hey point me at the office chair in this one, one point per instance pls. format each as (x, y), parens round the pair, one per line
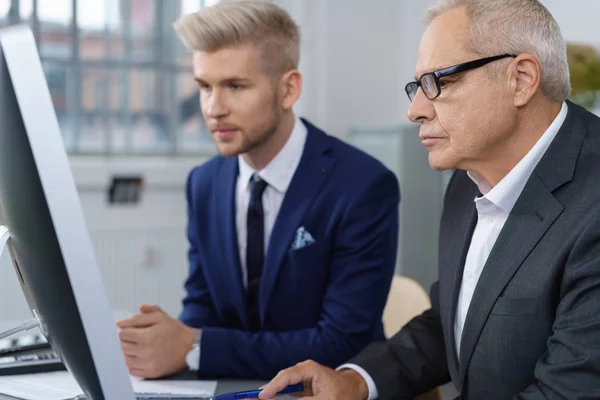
(406, 300)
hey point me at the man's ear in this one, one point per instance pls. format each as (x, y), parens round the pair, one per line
(525, 76)
(290, 88)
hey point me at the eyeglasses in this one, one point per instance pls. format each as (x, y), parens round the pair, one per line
(430, 82)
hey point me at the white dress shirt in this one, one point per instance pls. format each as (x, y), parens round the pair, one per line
(278, 174)
(493, 209)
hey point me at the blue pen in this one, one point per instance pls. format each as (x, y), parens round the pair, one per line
(253, 394)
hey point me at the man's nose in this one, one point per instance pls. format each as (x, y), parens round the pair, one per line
(421, 108)
(216, 104)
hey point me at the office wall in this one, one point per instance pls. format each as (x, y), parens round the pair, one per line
(140, 249)
(356, 58)
(578, 19)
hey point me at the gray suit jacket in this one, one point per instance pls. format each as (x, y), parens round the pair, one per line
(533, 328)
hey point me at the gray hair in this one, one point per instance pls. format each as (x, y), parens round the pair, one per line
(230, 23)
(515, 27)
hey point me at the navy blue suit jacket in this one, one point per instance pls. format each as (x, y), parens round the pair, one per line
(323, 301)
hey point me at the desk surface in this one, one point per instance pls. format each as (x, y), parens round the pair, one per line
(224, 386)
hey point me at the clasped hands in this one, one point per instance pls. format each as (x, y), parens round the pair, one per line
(154, 344)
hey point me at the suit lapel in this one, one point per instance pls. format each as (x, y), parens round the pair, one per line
(457, 272)
(306, 183)
(532, 215)
(224, 200)
(462, 219)
(535, 211)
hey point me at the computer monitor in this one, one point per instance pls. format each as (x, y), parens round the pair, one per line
(49, 243)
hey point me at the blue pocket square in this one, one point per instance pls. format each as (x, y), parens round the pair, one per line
(302, 239)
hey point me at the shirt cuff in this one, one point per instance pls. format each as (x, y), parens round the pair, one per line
(193, 356)
(373, 393)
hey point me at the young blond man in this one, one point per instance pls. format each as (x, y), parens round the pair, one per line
(293, 233)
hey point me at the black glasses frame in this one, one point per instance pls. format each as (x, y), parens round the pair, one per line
(411, 88)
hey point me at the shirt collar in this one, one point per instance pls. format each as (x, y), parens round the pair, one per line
(280, 171)
(506, 193)
(246, 172)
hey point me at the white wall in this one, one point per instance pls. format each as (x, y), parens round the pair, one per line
(163, 203)
(357, 56)
(578, 19)
(141, 249)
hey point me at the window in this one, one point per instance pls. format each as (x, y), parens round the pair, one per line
(120, 80)
(6, 13)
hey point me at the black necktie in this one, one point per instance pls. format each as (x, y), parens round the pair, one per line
(255, 249)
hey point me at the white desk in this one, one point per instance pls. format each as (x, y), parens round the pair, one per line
(224, 386)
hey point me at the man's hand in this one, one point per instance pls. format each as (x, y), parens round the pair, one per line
(320, 383)
(154, 344)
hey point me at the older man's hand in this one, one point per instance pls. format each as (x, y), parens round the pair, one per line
(154, 344)
(320, 383)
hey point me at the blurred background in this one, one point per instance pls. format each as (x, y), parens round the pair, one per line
(128, 109)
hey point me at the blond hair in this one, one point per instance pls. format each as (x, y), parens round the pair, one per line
(516, 27)
(230, 23)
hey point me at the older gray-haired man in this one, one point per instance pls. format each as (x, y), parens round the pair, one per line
(516, 311)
